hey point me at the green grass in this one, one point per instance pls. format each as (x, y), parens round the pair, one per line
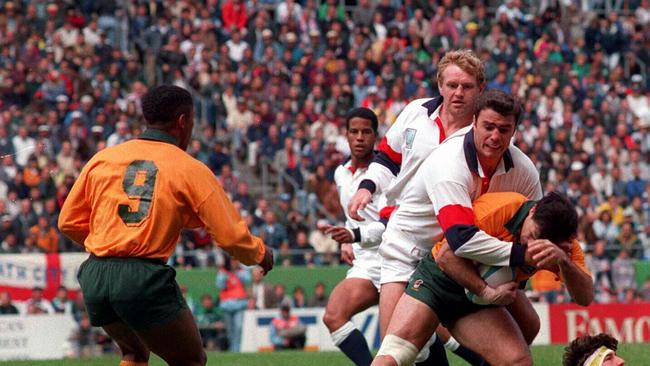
(634, 354)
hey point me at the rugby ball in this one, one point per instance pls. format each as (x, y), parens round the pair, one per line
(494, 276)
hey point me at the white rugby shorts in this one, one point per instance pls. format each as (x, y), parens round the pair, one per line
(400, 254)
(366, 265)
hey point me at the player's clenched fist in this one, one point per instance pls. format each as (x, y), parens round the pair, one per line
(358, 202)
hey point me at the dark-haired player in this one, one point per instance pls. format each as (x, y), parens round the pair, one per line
(359, 290)
(597, 350)
(127, 208)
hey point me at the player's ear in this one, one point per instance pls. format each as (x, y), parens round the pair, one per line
(182, 120)
(531, 213)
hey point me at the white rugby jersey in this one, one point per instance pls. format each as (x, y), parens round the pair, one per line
(416, 132)
(367, 233)
(414, 215)
(453, 179)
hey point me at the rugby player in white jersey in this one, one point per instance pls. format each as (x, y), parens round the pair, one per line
(360, 289)
(420, 127)
(474, 161)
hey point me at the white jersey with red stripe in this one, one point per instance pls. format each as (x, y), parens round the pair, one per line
(347, 179)
(454, 178)
(413, 217)
(367, 234)
(447, 183)
(416, 132)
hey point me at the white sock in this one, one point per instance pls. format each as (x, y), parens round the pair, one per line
(339, 335)
(452, 344)
(424, 352)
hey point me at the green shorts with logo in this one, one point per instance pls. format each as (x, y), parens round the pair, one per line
(140, 292)
(433, 287)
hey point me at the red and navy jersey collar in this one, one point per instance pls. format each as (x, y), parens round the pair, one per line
(432, 104)
(472, 159)
(348, 163)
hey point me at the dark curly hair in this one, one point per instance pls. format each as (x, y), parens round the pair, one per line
(364, 113)
(582, 347)
(501, 102)
(164, 104)
(556, 218)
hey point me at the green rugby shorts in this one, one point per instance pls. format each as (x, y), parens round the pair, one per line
(140, 292)
(430, 285)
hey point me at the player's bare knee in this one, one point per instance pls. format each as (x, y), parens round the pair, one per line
(333, 319)
(520, 357)
(134, 352)
(532, 330)
(197, 359)
(203, 358)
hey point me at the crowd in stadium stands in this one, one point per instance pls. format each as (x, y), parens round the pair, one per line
(272, 81)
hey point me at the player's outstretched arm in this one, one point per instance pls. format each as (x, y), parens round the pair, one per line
(358, 202)
(339, 234)
(230, 231)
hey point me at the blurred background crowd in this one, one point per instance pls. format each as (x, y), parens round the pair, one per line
(272, 81)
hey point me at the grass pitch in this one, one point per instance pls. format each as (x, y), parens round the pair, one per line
(634, 354)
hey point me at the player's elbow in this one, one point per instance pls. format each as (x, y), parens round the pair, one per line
(584, 299)
(585, 294)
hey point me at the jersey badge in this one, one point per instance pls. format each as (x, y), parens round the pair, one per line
(417, 284)
(409, 136)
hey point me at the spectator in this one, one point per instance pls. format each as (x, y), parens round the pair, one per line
(218, 157)
(604, 228)
(61, 303)
(6, 307)
(272, 232)
(324, 245)
(303, 251)
(36, 304)
(636, 185)
(628, 241)
(209, 318)
(232, 280)
(298, 299)
(279, 297)
(45, 235)
(234, 15)
(261, 293)
(120, 135)
(319, 298)
(287, 332)
(85, 339)
(23, 145)
(623, 274)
